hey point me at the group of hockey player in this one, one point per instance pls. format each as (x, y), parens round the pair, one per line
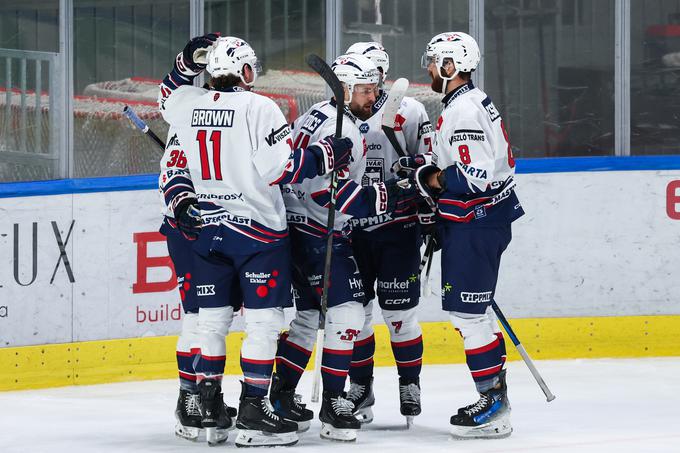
(246, 199)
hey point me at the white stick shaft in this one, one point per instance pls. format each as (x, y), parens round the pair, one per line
(530, 364)
(316, 384)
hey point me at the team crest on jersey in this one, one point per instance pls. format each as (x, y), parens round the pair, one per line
(480, 211)
(364, 128)
(313, 121)
(375, 171)
(216, 97)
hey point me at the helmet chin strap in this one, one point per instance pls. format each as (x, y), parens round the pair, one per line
(446, 80)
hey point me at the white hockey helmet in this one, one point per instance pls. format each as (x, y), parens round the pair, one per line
(228, 55)
(375, 52)
(354, 70)
(460, 47)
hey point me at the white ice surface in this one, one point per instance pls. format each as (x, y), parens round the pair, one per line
(601, 406)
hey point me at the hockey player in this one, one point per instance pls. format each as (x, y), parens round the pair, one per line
(307, 207)
(238, 151)
(471, 181)
(175, 181)
(387, 249)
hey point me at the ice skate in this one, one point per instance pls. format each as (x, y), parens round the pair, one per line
(259, 426)
(409, 399)
(488, 418)
(188, 417)
(338, 421)
(361, 395)
(286, 405)
(216, 417)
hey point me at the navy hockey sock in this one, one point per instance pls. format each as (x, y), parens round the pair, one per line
(362, 359)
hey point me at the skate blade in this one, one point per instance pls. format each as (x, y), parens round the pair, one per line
(189, 433)
(364, 415)
(253, 438)
(409, 421)
(329, 432)
(302, 426)
(497, 429)
(215, 436)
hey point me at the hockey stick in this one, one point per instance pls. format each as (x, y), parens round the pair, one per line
(142, 126)
(321, 67)
(392, 104)
(530, 364)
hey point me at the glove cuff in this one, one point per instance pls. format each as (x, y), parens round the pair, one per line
(323, 152)
(182, 203)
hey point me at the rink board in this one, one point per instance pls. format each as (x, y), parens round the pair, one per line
(131, 359)
(83, 269)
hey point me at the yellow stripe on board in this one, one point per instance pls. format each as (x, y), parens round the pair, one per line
(96, 362)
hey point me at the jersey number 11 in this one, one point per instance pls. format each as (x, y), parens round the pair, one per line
(216, 140)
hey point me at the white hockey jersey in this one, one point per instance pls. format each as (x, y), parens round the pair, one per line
(174, 179)
(238, 149)
(472, 147)
(414, 133)
(307, 202)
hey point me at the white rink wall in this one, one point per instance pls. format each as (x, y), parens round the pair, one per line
(591, 244)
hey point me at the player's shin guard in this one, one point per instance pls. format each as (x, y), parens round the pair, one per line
(343, 324)
(259, 348)
(187, 352)
(213, 326)
(361, 369)
(484, 352)
(407, 346)
(406, 340)
(295, 346)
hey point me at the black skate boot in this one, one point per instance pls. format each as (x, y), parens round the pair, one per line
(286, 405)
(361, 395)
(337, 418)
(259, 426)
(215, 415)
(409, 398)
(488, 418)
(188, 416)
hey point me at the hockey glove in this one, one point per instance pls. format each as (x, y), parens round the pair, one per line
(188, 218)
(196, 51)
(428, 225)
(405, 166)
(397, 196)
(420, 180)
(331, 154)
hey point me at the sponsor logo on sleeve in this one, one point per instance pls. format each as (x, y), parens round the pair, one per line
(313, 121)
(491, 109)
(277, 135)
